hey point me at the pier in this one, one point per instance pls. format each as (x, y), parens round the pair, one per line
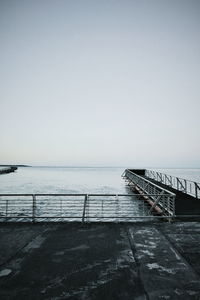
(186, 200)
(101, 246)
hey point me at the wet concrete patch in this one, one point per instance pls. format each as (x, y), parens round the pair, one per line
(5, 272)
(162, 268)
(79, 248)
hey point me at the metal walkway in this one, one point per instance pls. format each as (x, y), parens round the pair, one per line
(182, 198)
(161, 200)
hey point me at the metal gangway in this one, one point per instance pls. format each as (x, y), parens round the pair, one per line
(160, 199)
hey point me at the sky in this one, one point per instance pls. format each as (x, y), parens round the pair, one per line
(100, 82)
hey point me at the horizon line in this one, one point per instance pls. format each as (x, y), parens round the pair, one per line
(86, 166)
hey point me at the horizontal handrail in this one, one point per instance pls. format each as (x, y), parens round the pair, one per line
(184, 185)
(84, 207)
(173, 176)
(111, 195)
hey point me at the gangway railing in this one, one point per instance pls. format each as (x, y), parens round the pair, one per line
(79, 207)
(161, 197)
(185, 186)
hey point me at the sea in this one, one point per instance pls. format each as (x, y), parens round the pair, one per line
(76, 179)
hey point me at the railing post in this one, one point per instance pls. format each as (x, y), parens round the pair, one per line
(143, 208)
(61, 208)
(33, 208)
(185, 185)
(117, 207)
(177, 183)
(159, 177)
(196, 189)
(171, 181)
(84, 208)
(6, 209)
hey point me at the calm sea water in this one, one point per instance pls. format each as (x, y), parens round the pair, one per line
(75, 180)
(43, 180)
(63, 180)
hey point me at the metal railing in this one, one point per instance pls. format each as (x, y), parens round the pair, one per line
(161, 198)
(186, 186)
(79, 207)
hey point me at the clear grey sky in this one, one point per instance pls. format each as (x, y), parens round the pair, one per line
(106, 83)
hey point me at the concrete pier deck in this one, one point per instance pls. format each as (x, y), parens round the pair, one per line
(100, 261)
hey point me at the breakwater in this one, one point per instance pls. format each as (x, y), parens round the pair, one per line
(4, 170)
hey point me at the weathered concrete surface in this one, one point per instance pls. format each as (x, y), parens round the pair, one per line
(100, 261)
(164, 261)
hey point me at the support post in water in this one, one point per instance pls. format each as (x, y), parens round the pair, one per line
(34, 208)
(84, 208)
